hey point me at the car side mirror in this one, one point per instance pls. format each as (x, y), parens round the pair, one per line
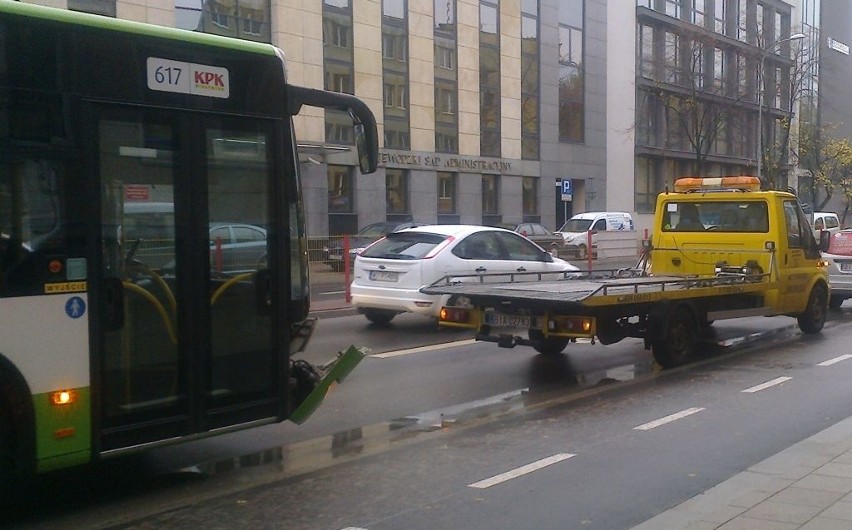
(547, 257)
(824, 240)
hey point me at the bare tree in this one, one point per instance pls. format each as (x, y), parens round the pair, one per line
(701, 88)
(785, 85)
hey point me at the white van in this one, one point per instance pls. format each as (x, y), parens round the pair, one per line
(826, 221)
(575, 230)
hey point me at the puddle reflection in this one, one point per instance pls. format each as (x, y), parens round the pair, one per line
(550, 378)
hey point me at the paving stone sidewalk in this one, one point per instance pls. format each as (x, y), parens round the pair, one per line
(807, 486)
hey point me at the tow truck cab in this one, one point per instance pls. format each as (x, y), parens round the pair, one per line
(713, 226)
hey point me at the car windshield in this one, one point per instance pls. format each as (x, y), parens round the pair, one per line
(576, 225)
(841, 244)
(404, 245)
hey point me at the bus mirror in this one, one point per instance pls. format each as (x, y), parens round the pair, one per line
(366, 157)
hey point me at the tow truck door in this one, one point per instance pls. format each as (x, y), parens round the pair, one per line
(796, 257)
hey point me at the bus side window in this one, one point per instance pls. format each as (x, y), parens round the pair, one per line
(30, 226)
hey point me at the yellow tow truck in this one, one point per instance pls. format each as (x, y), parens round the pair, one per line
(721, 248)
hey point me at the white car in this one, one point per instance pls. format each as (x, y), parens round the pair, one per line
(389, 274)
(839, 258)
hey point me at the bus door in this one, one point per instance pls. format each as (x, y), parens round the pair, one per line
(187, 323)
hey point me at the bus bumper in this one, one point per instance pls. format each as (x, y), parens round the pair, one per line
(330, 374)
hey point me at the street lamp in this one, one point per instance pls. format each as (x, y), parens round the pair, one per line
(760, 89)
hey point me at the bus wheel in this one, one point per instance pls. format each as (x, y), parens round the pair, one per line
(7, 458)
(547, 345)
(677, 344)
(379, 317)
(813, 319)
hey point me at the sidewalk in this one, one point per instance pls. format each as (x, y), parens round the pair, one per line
(807, 486)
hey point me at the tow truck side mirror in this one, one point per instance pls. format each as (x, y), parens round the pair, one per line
(824, 240)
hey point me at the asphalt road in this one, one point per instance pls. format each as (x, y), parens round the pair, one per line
(403, 441)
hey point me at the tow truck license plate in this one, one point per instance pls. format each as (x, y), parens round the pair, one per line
(492, 318)
(383, 276)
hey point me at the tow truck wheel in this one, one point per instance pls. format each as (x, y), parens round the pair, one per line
(813, 319)
(379, 317)
(549, 345)
(676, 347)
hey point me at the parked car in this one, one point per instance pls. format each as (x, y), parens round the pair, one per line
(541, 236)
(360, 240)
(839, 257)
(390, 273)
(826, 221)
(575, 230)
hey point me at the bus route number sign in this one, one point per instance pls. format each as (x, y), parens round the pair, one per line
(165, 75)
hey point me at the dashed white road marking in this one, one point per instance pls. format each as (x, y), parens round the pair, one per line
(835, 360)
(764, 386)
(431, 347)
(523, 470)
(668, 419)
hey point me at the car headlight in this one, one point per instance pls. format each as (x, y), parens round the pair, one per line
(569, 239)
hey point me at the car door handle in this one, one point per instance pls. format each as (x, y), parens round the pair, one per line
(521, 269)
(481, 269)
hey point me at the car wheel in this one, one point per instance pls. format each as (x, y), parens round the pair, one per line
(380, 317)
(834, 302)
(547, 345)
(813, 319)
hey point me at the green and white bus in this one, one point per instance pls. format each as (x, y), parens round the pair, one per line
(117, 335)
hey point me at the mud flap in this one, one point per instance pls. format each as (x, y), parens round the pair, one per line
(315, 382)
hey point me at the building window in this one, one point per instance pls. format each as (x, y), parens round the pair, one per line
(394, 47)
(395, 73)
(530, 196)
(571, 75)
(489, 78)
(396, 182)
(530, 84)
(107, 7)
(696, 12)
(720, 21)
(340, 190)
(445, 57)
(188, 14)
(647, 184)
(395, 96)
(446, 77)
(446, 101)
(490, 194)
(446, 193)
(339, 66)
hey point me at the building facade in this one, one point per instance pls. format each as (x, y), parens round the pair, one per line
(485, 107)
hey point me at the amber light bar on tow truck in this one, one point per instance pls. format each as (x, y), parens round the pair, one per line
(744, 183)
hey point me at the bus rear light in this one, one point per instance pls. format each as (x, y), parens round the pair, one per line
(63, 397)
(571, 325)
(455, 314)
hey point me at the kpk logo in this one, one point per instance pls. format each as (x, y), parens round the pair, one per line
(207, 80)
